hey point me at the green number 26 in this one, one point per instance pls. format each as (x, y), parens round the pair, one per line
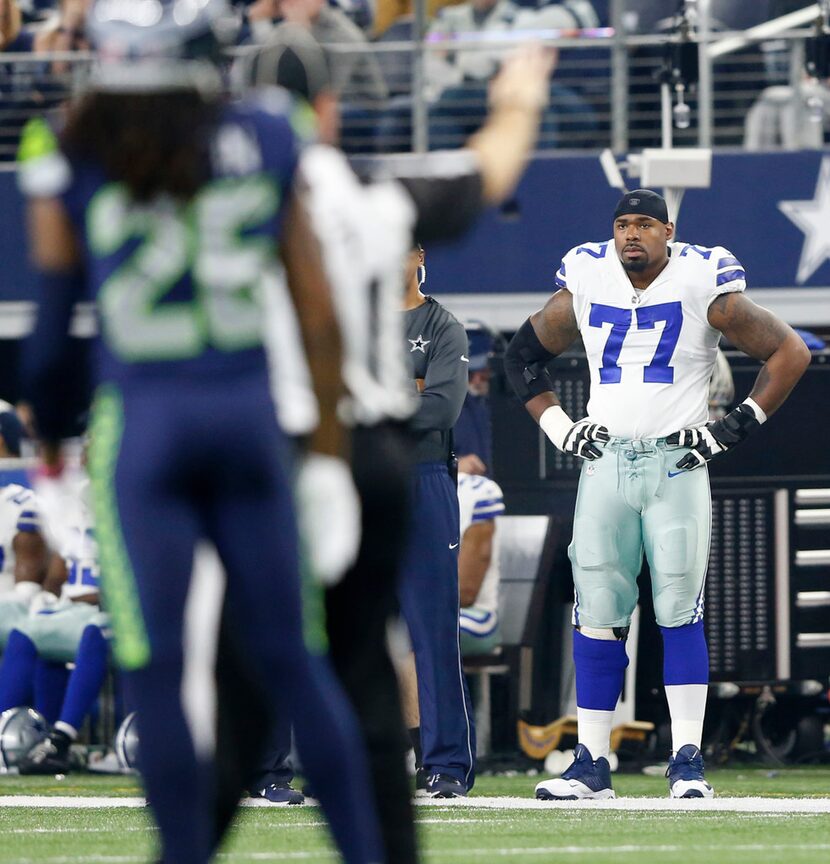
(204, 237)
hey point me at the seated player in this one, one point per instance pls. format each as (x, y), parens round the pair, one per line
(480, 501)
(24, 554)
(57, 631)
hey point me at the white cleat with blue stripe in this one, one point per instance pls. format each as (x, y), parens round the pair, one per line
(584, 779)
(685, 773)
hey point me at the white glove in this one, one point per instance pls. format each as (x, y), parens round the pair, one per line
(329, 516)
(576, 439)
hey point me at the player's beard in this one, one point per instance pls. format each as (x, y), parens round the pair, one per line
(635, 266)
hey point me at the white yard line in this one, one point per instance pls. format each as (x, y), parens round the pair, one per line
(628, 849)
(667, 805)
(469, 854)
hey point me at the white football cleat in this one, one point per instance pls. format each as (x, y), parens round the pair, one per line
(584, 779)
(685, 773)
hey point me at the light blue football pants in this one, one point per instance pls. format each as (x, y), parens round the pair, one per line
(57, 633)
(12, 613)
(634, 499)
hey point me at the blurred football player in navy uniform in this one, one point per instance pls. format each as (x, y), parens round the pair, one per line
(165, 205)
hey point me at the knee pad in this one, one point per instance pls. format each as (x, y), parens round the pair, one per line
(675, 547)
(605, 634)
(593, 546)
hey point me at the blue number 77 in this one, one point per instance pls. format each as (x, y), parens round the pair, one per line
(658, 371)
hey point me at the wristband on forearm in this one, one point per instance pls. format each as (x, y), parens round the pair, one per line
(556, 424)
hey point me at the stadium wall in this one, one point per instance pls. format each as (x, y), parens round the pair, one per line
(771, 210)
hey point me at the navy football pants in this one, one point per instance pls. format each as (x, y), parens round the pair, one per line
(168, 469)
(429, 602)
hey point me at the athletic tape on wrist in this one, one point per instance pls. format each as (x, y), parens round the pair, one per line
(556, 424)
(757, 410)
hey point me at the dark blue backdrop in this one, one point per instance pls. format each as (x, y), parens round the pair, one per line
(566, 200)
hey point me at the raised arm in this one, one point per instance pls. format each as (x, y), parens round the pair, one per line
(48, 356)
(518, 95)
(542, 337)
(765, 337)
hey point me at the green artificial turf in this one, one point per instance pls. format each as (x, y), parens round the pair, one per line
(43, 835)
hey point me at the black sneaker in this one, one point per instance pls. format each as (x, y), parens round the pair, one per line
(445, 786)
(50, 756)
(280, 794)
(420, 780)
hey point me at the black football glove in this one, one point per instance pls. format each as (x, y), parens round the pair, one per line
(714, 438)
(580, 437)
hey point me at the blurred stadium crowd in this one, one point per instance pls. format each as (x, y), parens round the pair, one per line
(376, 60)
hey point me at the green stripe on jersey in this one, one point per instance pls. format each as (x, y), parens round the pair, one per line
(131, 645)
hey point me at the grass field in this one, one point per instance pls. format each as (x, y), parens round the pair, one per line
(505, 824)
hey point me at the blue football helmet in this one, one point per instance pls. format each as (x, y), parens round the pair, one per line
(149, 45)
(20, 729)
(126, 745)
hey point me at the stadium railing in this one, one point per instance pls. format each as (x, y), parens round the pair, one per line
(604, 91)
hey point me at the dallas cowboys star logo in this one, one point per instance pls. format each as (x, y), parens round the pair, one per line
(813, 218)
(419, 344)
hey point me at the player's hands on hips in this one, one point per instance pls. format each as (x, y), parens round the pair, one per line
(580, 438)
(717, 437)
(329, 516)
(576, 439)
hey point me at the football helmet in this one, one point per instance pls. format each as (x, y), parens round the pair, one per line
(20, 730)
(151, 45)
(126, 744)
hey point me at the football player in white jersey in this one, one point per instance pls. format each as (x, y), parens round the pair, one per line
(69, 628)
(24, 554)
(650, 315)
(480, 501)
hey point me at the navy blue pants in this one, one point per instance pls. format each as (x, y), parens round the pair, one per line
(171, 466)
(428, 595)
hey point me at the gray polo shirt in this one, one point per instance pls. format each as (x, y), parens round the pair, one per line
(437, 353)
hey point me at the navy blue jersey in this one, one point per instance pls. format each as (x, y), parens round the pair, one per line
(177, 285)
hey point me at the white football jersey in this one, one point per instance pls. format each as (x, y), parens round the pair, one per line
(650, 354)
(79, 548)
(19, 511)
(365, 233)
(479, 500)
